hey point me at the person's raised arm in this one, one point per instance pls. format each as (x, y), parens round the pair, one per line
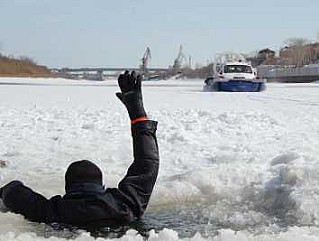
(140, 179)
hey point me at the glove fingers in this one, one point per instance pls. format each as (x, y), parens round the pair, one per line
(132, 80)
(133, 74)
(129, 81)
(123, 82)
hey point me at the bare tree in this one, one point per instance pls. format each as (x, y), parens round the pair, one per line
(292, 42)
(297, 51)
(28, 60)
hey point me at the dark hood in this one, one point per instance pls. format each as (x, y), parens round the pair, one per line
(81, 172)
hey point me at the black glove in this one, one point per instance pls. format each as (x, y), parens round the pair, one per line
(131, 94)
(5, 188)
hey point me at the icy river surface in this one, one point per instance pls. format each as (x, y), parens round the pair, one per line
(233, 166)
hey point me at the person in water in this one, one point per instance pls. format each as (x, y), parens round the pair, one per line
(86, 201)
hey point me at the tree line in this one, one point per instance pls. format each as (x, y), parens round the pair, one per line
(22, 66)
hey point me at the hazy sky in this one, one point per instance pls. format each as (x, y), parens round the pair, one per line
(74, 33)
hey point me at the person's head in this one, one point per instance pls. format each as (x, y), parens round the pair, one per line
(80, 172)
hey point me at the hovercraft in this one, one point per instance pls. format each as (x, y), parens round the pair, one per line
(233, 73)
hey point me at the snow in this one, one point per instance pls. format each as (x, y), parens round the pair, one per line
(234, 166)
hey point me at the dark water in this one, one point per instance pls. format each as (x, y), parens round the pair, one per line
(188, 219)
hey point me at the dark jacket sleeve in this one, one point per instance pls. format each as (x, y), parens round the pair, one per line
(22, 200)
(137, 185)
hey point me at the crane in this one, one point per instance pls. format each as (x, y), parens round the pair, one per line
(145, 59)
(179, 59)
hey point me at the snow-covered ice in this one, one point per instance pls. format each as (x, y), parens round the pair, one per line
(234, 166)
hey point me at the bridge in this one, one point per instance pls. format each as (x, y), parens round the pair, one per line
(289, 74)
(99, 73)
(107, 69)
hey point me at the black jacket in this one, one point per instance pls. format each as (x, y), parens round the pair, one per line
(90, 204)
